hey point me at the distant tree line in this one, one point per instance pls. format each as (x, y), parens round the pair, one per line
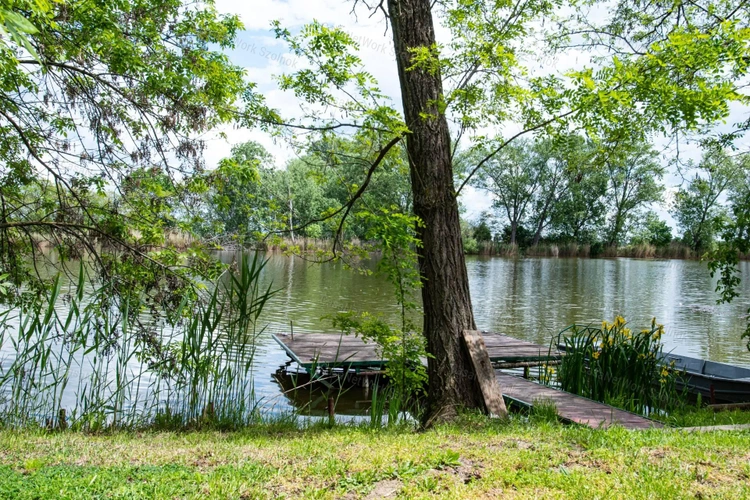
(562, 191)
(572, 191)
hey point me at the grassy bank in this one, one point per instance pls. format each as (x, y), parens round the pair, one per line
(474, 459)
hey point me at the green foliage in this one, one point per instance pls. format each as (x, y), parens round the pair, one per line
(579, 215)
(247, 198)
(404, 351)
(614, 365)
(549, 188)
(470, 244)
(100, 131)
(633, 173)
(403, 346)
(652, 230)
(482, 231)
(513, 176)
(697, 207)
(735, 232)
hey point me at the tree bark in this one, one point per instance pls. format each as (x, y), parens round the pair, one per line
(445, 291)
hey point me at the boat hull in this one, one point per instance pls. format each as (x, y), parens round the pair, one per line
(715, 382)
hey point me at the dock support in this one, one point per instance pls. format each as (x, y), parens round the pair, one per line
(331, 411)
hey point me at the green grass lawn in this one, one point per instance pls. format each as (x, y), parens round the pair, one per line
(476, 458)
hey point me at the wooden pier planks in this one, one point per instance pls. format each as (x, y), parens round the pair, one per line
(569, 406)
(332, 349)
(329, 350)
(336, 350)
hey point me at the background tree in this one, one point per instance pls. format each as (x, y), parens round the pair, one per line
(697, 208)
(633, 172)
(513, 177)
(237, 201)
(652, 230)
(567, 157)
(579, 216)
(482, 231)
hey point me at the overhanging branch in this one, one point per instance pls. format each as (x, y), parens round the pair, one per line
(505, 143)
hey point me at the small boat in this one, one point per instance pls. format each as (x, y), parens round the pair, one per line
(715, 382)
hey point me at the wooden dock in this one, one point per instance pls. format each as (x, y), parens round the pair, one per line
(570, 407)
(332, 350)
(315, 351)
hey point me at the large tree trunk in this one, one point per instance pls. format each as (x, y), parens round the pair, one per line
(445, 291)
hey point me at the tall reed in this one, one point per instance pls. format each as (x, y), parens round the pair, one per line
(70, 362)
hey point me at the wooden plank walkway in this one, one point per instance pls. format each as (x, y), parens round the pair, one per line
(570, 407)
(337, 350)
(326, 350)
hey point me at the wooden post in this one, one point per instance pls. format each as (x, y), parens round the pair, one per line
(485, 374)
(525, 372)
(62, 422)
(331, 411)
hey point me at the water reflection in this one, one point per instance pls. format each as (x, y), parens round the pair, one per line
(530, 299)
(534, 298)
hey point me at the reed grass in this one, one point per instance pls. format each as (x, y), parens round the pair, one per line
(69, 362)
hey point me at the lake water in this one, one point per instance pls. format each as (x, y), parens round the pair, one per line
(531, 299)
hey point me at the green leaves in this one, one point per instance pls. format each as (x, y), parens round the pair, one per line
(17, 27)
(100, 151)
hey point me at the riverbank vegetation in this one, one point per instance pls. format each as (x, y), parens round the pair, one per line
(82, 365)
(619, 366)
(473, 458)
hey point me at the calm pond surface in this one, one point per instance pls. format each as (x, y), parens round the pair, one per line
(531, 299)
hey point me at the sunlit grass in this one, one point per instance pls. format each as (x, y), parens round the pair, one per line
(475, 458)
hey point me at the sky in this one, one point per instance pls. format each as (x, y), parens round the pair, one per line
(264, 57)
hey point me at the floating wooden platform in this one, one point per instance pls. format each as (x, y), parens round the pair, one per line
(570, 407)
(329, 350)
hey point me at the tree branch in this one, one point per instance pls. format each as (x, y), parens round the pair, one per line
(499, 148)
